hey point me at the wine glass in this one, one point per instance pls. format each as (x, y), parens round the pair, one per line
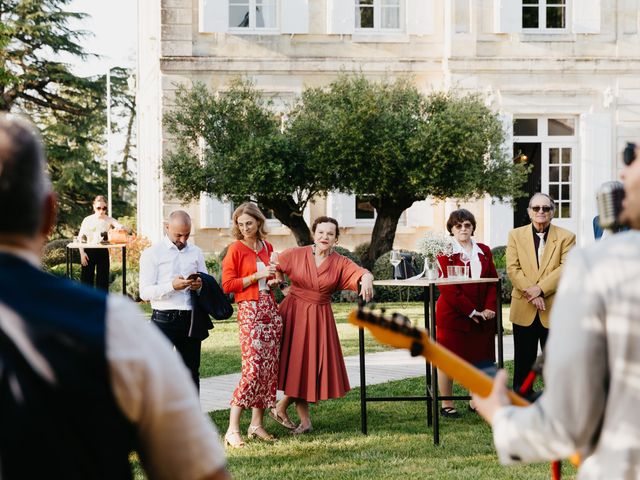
(465, 258)
(395, 260)
(273, 258)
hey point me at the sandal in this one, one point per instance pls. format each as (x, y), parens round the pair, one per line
(234, 439)
(258, 432)
(449, 412)
(301, 431)
(282, 420)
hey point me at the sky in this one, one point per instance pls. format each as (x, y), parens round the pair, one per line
(113, 27)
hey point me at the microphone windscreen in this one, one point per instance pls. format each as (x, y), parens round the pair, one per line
(609, 198)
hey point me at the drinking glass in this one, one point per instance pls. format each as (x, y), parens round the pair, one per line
(395, 260)
(273, 258)
(464, 258)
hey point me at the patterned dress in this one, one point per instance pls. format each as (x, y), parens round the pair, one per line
(260, 328)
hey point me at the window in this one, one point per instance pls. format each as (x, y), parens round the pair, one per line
(378, 14)
(253, 14)
(544, 14)
(561, 127)
(364, 208)
(560, 180)
(525, 127)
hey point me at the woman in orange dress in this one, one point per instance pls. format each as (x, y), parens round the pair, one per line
(311, 363)
(245, 273)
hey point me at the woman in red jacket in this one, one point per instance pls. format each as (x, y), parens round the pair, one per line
(465, 314)
(247, 272)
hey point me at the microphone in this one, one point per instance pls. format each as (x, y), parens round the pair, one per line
(609, 198)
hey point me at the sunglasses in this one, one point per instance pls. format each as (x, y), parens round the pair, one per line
(467, 225)
(544, 208)
(104, 209)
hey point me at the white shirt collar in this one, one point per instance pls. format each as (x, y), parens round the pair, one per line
(170, 245)
(475, 249)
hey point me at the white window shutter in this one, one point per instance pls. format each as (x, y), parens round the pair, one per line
(294, 16)
(597, 165)
(342, 207)
(214, 16)
(586, 16)
(341, 16)
(420, 214)
(507, 16)
(213, 212)
(420, 17)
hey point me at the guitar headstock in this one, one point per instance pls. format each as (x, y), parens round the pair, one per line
(394, 330)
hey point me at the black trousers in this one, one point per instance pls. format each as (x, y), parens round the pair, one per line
(525, 349)
(175, 325)
(97, 269)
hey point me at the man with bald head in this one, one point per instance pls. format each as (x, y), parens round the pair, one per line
(83, 381)
(535, 255)
(167, 277)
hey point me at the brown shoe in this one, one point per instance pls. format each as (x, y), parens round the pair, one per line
(281, 419)
(258, 432)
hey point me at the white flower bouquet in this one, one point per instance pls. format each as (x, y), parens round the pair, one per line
(434, 244)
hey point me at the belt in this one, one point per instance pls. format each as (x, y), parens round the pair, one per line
(173, 312)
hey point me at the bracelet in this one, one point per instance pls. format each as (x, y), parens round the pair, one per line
(252, 278)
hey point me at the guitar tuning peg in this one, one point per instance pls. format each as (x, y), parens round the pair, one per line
(416, 349)
(404, 319)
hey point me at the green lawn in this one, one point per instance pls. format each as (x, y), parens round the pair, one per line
(221, 351)
(399, 444)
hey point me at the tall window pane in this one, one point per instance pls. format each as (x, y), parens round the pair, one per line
(364, 13)
(530, 17)
(239, 13)
(266, 14)
(390, 13)
(556, 17)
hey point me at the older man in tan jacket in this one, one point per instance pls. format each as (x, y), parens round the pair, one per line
(535, 255)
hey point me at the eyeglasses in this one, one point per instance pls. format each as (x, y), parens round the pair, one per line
(104, 209)
(544, 208)
(460, 226)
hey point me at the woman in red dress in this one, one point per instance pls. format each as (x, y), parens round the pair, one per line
(311, 363)
(245, 273)
(465, 314)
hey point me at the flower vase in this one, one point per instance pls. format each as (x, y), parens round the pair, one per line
(432, 270)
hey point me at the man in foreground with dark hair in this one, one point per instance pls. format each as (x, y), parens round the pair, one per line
(83, 379)
(592, 369)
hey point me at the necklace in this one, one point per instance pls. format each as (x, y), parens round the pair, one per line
(257, 246)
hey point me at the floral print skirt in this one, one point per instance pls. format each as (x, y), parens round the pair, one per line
(260, 328)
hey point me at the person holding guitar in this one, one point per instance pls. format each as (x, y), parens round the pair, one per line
(591, 372)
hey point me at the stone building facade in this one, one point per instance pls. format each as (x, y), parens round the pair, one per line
(564, 75)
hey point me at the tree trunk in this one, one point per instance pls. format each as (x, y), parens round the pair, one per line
(290, 216)
(384, 230)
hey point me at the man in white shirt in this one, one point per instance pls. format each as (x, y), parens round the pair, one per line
(83, 380)
(167, 276)
(592, 362)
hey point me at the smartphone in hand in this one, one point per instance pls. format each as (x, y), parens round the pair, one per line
(193, 276)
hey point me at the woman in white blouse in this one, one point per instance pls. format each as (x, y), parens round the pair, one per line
(95, 261)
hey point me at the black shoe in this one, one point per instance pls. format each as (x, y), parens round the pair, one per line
(449, 412)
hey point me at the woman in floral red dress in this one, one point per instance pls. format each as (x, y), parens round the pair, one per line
(247, 273)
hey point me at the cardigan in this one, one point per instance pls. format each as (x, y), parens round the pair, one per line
(240, 262)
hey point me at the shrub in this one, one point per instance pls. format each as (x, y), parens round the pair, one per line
(383, 270)
(60, 270)
(500, 261)
(500, 257)
(350, 255)
(361, 250)
(54, 253)
(223, 253)
(135, 246)
(133, 284)
(214, 266)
